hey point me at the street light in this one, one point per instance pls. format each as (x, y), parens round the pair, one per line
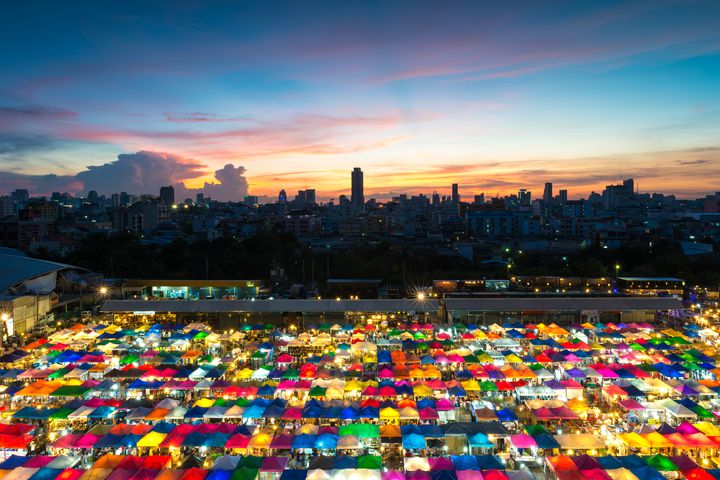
(103, 291)
(617, 270)
(421, 296)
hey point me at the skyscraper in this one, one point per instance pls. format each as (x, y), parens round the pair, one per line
(282, 196)
(358, 195)
(548, 193)
(167, 195)
(455, 194)
(563, 197)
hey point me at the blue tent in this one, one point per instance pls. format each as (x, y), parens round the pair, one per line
(293, 475)
(647, 473)
(479, 440)
(632, 461)
(544, 440)
(489, 462)
(506, 415)
(465, 462)
(345, 462)
(369, 412)
(413, 441)
(432, 431)
(443, 475)
(350, 413)
(608, 462)
(303, 440)
(326, 440)
(253, 411)
(102, 411)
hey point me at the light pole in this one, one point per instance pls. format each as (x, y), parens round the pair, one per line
(617, 270)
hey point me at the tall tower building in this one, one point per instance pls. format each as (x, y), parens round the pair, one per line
(167, 195)
(548, 193)
(358, 194)
(455, 194)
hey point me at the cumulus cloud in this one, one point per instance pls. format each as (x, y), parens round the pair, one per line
(231, 185)
(137, 173)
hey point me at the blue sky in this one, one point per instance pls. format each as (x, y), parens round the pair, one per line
(419, 94)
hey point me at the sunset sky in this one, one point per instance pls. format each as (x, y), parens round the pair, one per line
(492, 95)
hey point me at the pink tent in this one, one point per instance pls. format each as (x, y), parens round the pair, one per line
(468, 475)
(428, 413)
(292, 413)
(282, 442)
(444, 404)
(67, 441)
(38, 461)
(629, 404)
(441, 463)
(287, 385)
(238, 441)
(522, 440)
(274, 464)
(88, 440)
(686, 428)
(393, 475)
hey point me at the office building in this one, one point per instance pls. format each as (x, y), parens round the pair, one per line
(548, 193)
(358, 195)
(167, 195)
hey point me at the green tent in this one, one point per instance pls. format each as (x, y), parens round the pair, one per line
(128, 359)
(318, 391)
(291, 374)
(59, 373)
(324, 326)
(662, 463)
(242, 402)
(423, 346)
(61, 413)
(360, 430)
(200, 335)
(70, 391)
(372, 462)
(488, 386)
(536, 430)
(259, 355)
(244, 473)
(702, 412)
(251, 461)
(637, 347)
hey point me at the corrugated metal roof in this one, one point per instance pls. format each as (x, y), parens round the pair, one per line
(561, 304)
(512, 304)
(269, 306)
(16, 269)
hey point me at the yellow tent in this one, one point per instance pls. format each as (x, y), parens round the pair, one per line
(634, 440)
(245, 373)
(471, 385)
(656, 440)
(205, 403)
(708, 429)
(388, 413)
(260, 440)
(152, 439)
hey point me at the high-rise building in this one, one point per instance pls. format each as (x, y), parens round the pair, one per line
(7, 206)
(200, 198)
(21, 197)
(310, 195)
(629, 185)
(524, 197)
(282, 197)
(479, 199)
(357, 193)
(167, 195)
(548, 193)
(455, 199)
(306, 196)
(562, 194)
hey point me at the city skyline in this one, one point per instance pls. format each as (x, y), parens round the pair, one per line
(230, 99)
